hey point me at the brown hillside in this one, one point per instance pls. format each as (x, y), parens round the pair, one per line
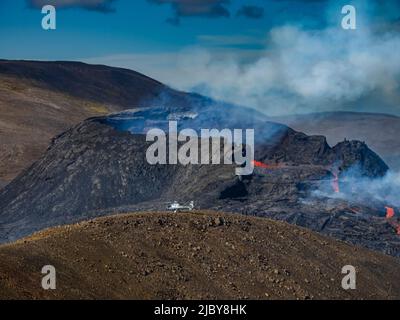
(201, 255)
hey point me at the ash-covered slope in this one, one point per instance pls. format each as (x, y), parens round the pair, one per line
(96, 169)
(164, 256)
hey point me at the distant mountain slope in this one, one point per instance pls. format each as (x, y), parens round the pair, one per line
(110, 86)
(380, 131)
(38, 100)
(200, 255)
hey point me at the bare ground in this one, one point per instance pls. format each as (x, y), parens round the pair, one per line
(199, 255)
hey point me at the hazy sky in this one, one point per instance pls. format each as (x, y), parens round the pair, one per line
(279, 56)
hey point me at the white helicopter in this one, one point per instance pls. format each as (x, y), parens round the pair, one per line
(177, 207)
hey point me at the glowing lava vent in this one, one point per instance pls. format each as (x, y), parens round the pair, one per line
(389, 212)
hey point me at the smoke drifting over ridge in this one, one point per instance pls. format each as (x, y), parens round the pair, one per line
(302, 71)
(358, 190)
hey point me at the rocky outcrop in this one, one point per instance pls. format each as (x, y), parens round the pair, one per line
(348, 153)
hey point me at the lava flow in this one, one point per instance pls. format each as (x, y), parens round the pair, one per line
(265, 166)
(389, 212)
(389, 215)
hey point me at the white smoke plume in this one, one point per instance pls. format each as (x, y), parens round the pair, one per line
(361, 190)
(301, 71)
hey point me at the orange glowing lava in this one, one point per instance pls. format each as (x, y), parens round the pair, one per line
(265, 166)
(389, 213)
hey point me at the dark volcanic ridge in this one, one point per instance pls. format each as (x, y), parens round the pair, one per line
(379, 131)
(99, 168)
(199, 255)
(39, 100)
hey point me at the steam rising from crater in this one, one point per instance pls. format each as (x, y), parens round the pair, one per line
(301, 71)
(381, 192)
